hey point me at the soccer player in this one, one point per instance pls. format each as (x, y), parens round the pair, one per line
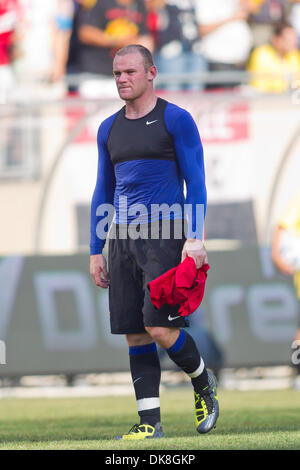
(146, 152)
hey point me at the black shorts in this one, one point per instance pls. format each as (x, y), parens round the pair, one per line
(132, 264)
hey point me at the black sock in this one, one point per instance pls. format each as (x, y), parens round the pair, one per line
(185, 354)
(146, 373)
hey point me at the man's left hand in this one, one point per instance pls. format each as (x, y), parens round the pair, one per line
(196, 250)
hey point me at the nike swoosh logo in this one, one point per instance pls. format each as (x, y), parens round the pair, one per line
(137, 380)
(173, 318)
(151, 122)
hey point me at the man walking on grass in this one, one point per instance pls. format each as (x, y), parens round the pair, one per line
(147, 150)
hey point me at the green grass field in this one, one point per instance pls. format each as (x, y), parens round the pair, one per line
(248, 420)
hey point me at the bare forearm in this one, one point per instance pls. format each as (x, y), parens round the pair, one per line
(96, 37)
(61, 47)
(240, 14)
(205, 29)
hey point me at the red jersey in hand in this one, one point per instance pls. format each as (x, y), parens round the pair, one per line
(183, 285)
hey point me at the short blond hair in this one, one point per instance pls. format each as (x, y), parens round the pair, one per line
(145, 53)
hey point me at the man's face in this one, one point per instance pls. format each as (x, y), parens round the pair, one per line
(132, 79)
(286, 42)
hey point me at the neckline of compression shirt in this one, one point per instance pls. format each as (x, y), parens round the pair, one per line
(142, 117)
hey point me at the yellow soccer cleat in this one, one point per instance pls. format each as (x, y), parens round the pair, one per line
(142, 431)
(207, 406)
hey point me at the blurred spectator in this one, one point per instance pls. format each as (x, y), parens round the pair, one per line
(226, 35)
(35, 53)
(66, 44)
(103, 29)
(9, 16)
(286, 250)
(295, 17)
(176, 39)
(278, 63)
(63, 25)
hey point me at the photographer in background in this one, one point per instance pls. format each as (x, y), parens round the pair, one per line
(286, 252)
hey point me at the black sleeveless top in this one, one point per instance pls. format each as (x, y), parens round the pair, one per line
(142, 138)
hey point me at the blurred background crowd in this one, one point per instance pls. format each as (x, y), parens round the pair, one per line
(74, 41)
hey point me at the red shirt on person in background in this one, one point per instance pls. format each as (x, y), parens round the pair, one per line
(9, 16)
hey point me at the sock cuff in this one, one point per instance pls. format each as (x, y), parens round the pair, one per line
(178, 343)
(198, 371)
(143, 349)
(148, 403)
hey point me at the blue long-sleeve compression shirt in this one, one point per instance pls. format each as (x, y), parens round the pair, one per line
(142, 165)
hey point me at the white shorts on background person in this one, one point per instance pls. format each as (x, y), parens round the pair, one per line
(98, 87)
(7, 82)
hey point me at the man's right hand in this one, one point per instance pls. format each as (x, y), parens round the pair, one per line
(98, 266)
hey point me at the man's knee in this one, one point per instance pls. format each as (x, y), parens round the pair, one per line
(165, 337)
(138, 339)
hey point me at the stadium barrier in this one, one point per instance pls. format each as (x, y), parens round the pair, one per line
(54, 320)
